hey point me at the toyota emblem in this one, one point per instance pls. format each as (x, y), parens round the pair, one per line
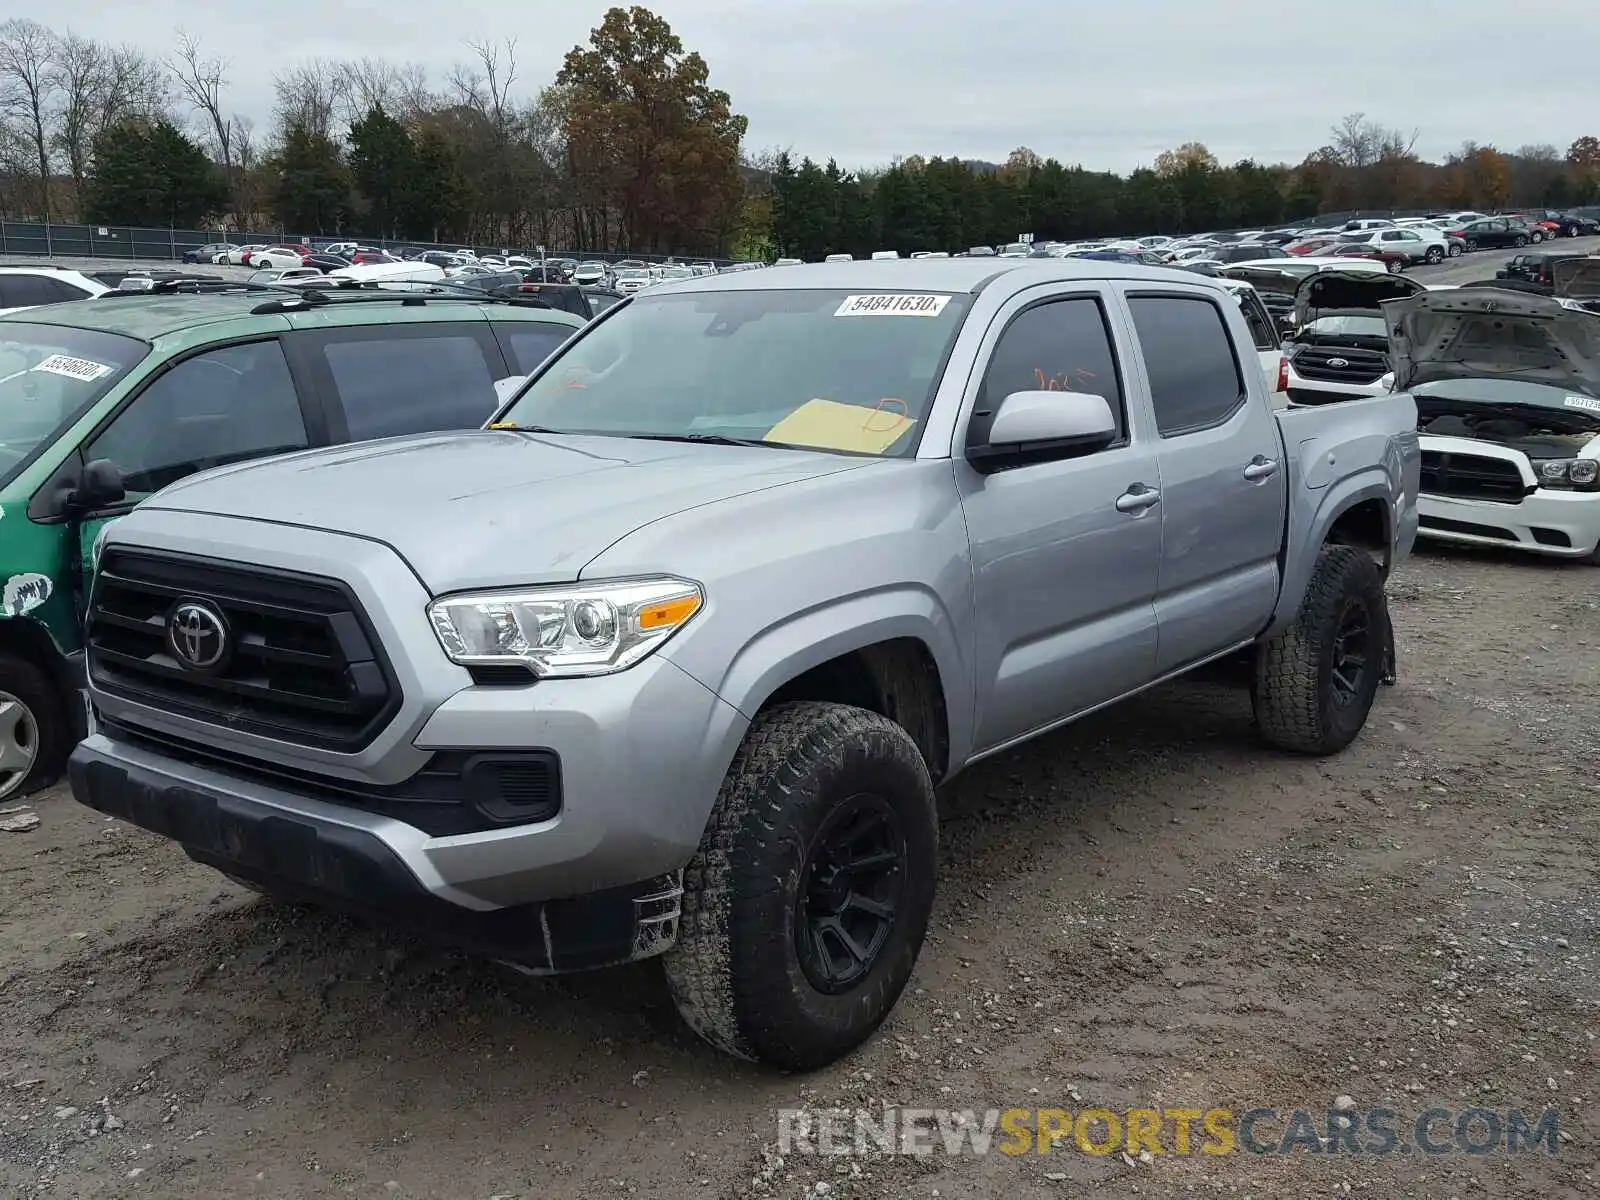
(197, 635)
(1338, 364)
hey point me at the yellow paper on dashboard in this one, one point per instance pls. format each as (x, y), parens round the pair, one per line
(829, 425)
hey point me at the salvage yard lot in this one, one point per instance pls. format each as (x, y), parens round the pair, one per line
(1145, 909)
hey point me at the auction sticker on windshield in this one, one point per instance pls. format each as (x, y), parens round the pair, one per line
(1584, 402)
(82, 369)
(892, 304)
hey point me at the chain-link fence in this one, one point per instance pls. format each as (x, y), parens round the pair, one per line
(170, 245)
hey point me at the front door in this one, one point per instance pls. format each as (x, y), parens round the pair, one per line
(1064, 580)
(1223, 490)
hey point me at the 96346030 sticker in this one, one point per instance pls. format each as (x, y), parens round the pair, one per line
(85, 370)
(892, 304)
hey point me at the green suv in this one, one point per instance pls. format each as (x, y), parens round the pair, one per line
(104, 402)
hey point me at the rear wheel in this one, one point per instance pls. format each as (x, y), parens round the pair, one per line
(1314, 684)
(1574, 231)
(805, 906)
(1455, 249)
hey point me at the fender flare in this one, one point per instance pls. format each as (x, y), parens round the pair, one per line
(795, 644)
(1340, 498)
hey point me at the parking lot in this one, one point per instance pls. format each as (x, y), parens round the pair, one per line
(1147, 909)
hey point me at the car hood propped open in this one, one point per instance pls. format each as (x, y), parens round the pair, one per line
(1336, 291)
(1576, 278)
(1489, 334)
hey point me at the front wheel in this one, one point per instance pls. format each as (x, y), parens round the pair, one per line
(1434, 255)
(34, 739)
(1395, 266)
(805, 906)
(1314, 683)
(1574, 232)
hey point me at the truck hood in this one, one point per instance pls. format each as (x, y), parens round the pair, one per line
(1576, 278)
(1336, 291)
(1473, 333)
(484, 508)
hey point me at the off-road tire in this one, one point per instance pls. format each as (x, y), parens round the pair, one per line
(735, 972)
(1293, 692)
(31, 685)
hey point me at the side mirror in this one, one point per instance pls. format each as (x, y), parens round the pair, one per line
(100, 487)
(1042, 423)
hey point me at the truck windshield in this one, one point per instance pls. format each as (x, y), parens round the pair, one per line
(829, 370)
(50, 376)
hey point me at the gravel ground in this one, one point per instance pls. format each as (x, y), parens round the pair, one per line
(1146, 908)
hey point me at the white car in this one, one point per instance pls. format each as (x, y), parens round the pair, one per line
(1419, 243)
(396, 272)
(276, 258)
(235, 257)
(1268, 342)
(885, 255)
(1507, 388)
(30, 287)
(833, 258)
(590, 274)
(632, 280)
(1339, 347)
(285, 275)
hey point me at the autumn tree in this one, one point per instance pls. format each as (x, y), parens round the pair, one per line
(1191, 154)
(649, 136)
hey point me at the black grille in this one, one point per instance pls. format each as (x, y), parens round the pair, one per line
(1340, 365)
(304, 666)
(1471, 477)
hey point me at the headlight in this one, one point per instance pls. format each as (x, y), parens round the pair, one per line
(1579, 473)
(571, 630)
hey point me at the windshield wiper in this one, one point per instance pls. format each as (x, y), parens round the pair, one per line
(710, 439)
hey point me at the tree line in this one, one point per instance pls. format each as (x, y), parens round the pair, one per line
(629, 147)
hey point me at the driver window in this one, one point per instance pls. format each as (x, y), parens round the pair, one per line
(220, 407)
(1058, 346)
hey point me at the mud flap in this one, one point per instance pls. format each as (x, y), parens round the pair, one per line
(1388, 676)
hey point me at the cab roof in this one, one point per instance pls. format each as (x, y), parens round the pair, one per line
(931, 274)
(149, 317)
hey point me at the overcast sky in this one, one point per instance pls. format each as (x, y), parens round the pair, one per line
(1107, 84)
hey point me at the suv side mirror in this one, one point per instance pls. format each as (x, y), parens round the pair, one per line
(100, 487)
(1043, 424)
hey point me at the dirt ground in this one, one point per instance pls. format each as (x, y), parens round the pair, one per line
(1146, 909)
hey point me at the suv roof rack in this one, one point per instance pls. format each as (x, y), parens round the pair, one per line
(348, 291)
(187, 283)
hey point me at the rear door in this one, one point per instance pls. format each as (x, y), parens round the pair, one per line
(526, 344)
(392, 379)
(1223, 491)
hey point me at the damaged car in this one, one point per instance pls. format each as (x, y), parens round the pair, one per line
(1577, 281)
(1339, 346)
(1507, 388)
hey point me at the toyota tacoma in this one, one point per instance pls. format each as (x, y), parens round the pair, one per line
(668, 659)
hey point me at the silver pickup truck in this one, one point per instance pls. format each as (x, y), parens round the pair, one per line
(669, 659)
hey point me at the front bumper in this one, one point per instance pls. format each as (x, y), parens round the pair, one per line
(318, 853)
(1558, 524)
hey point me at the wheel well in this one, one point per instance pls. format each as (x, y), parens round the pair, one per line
(1366, 526)
(897, 679)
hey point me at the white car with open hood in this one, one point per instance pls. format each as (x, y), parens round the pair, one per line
(1338, 349)
(1507, 388)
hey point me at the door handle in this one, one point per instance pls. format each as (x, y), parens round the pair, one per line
(1137, 498)
(1260, 467)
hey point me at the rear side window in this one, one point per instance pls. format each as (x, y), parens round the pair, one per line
(1256, 316)
(1057, 346)
(529, 344)
(392, 383)
(1195, 381)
